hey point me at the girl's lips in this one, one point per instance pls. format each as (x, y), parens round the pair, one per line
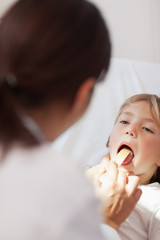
(126, 158)
(124, 145)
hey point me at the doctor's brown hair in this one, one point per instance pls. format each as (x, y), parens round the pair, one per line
(47, 49)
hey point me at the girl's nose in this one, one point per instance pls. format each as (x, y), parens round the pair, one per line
(131, 132)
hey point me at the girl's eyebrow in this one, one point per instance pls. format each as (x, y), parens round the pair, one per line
(129, 113)
(144, 119)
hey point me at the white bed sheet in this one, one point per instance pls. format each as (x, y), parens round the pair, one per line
(86, 141)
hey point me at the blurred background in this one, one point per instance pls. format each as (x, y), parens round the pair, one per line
(134, 27)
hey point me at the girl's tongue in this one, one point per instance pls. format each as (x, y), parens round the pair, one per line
(124, 157)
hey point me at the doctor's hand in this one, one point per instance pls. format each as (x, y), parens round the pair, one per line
(95, 172)
(117, 190)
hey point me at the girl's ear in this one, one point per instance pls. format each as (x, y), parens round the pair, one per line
(158, 162)
(107, 144)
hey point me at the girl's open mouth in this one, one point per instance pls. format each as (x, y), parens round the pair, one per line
(125, 155)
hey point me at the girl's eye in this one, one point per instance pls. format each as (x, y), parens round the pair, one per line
(123, 122)
(147, 130)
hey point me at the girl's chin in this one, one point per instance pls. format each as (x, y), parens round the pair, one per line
(126, 169)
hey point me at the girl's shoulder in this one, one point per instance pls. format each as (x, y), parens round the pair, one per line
(150, 198)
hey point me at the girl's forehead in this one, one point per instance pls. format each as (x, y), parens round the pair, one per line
(136, 106)
(138, 103)
(141, 109)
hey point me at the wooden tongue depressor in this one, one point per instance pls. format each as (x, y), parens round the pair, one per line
(121, 156)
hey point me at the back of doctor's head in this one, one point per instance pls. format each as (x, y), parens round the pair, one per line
(47, 49)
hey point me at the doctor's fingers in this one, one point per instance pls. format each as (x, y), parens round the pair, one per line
(109, 179)
(105, 160)
(112, 172)
(103, 165)
(122, 180)
(132, 188)
(94, 172)
(99, 169)
(115, 184)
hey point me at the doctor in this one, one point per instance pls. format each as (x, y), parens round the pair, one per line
(52, 54)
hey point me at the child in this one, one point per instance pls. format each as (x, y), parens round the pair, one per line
(137, 131)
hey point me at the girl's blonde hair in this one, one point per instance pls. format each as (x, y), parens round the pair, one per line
(153, 100)
(154, 103)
